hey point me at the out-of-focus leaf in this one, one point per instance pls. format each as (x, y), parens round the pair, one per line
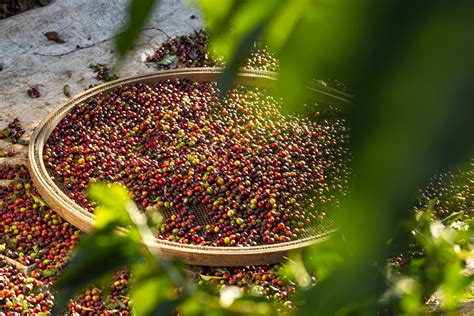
(284, 22)
(231, 23)
(139, 229)
(227, 78)
(113, 201)
(201, 303)
(110, 195)
(298, 270)
(323, 258)
(323, 42)
(410, 291)
(228, 295)
(150, 279)
(330, 295)
(138, 13)
(454, 284)
(166, 308)
(104, 282)
(216, 13)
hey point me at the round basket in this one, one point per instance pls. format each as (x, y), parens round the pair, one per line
(78, 216)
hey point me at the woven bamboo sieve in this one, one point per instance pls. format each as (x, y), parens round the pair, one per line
(54, 194)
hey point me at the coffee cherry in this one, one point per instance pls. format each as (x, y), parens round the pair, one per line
(102, 72)
(12, 132)
(34, 93)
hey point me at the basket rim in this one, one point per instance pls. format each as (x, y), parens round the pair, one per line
(67, 208)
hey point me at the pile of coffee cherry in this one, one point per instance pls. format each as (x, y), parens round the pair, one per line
(10, 172)
(448, 193)
(266, 281)
(13, 131)
(93, 300)
(39, 240)
(192, 51)
(31, 232)
(261, 177)
(102, 72)
(21, 294)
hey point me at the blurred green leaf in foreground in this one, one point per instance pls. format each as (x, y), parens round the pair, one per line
(410, 67)
(139, 11)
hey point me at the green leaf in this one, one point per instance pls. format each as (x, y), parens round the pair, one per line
(150, 279)
(49, 272)
(283, 23)
(13, 197)
(138, 13)
(113, 201)
(454, 284)
(298, 270)
(452, 217)
(168, 60)
(38, 200)
(324, 258)
(209, 277)
(231, 23)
